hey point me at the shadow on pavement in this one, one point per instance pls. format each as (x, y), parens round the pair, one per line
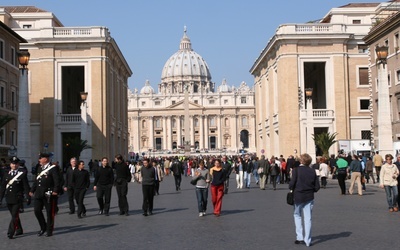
(322, 238)
(65, 230)
(236, 211)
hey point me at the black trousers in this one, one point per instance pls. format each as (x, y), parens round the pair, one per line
(156, 187)
(104, 197)
(79, 197)
(342, 182)
(50, 206)
(71, 197)
(226, 185)
(178, 179)
(122, 191)
(148, 197)
(15, 223)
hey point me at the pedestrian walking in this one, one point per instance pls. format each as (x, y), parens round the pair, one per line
(388, 181)
(147, 178)
(68, 187)
(102, 184)
(14, 186)
(218, 176)
(44, 190)
(81, 183)
(123, 177)
(304, 184)
(202, 177)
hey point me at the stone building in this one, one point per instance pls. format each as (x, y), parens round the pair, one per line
(329, 56)
(220, 119)
(9, 87)
(66, 61)
(385, 97)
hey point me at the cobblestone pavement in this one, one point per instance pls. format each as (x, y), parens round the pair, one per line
(251, 219)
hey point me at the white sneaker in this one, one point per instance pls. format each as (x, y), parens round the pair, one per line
(204, 213)
(200, 214)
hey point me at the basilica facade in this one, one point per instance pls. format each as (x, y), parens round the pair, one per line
(218, 119)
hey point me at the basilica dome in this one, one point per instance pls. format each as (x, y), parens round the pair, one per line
(185, 64)
(224, 87)
(147, 89)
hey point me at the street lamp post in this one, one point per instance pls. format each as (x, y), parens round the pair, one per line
(84, 125)
(310, 124)
(24, 111)
(385, 139)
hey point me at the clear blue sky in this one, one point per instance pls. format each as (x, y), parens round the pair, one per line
(228, 34)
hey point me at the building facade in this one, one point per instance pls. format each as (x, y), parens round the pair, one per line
(385, 110)
(328, 56)
(9, 88)
(219, 119)
(66, 61)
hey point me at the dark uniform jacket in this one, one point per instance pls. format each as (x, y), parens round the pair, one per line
(15, 192)
(227, 167)
(50, 181)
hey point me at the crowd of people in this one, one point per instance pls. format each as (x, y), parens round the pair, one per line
(209, 174)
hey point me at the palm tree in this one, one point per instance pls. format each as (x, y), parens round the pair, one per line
(324, 141)
(4, 119)
(76, 146)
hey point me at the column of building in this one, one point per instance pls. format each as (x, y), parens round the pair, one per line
(234, 134)
(179, 131)
(169, 133)
(151, 133)
(192, 130)
(201, 132)
(165, 129)
(206, 130)
(219, 128)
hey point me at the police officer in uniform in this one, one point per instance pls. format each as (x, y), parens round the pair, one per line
(44, 191)
(13, 186)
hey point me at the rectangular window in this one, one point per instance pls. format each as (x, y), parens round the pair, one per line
(157, 123)
(211, 101)
(157, 103)
(396, 41)
(362, 48)
(357, 21)
(3, 132)
(1, 49)
(13, 142)
(364, 104)
(243, 100)
(13, 56)
(363, 76)
(173, 102)
(366, 134)
(386, 43)
(2, 96)
(212, 121)
(143, 103)
(13, 102)
(398, 76)
(196, 101)
(244, 121)
(225, 101)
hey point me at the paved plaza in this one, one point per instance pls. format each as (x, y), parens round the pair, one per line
(250, 219)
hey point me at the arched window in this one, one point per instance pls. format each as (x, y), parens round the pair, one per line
(244, 121)
(226, 122)
(196, 122)
(144, 124)
(174, 123)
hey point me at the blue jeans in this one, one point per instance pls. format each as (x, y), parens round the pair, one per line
(256, 176)
(391, 195)
(247, 179)
(202, 195)
(306, 208)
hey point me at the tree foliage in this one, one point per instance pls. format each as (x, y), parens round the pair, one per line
(325, 141)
